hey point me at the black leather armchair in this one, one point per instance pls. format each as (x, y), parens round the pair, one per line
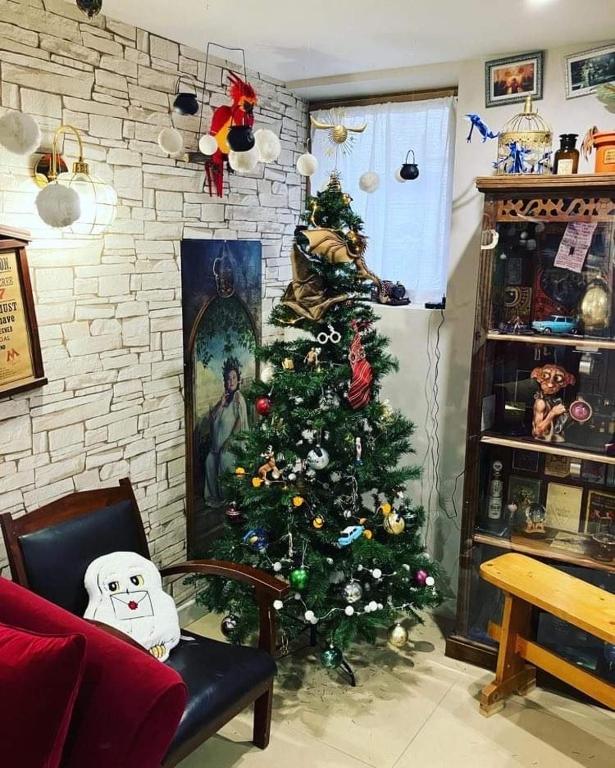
(49, 551)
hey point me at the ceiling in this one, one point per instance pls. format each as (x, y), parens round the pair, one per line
(296, 41)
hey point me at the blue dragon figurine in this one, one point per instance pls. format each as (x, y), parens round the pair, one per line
(515, 160)
(477, 122)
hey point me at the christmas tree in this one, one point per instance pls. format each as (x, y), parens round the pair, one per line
(318, 496)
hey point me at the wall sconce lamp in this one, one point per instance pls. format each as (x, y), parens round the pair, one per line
(75, 199)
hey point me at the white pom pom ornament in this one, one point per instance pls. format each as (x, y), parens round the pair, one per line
(267, 145)
(208, 144)
(19, 133)
(399, 177)
(307, 164)
(170, 141)
(369, 181)
(58, 206)
(243, 162)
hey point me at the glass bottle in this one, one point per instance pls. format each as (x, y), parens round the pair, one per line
(566, 159)
(496, 488)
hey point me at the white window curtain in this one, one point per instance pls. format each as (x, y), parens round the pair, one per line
(407, 224)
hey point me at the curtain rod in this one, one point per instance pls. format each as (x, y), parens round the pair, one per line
(363, 101)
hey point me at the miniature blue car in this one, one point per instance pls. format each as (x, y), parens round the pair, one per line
(556, 324)
(350, 534)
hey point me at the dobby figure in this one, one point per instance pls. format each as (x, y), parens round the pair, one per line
(125, 591)
(550, 413)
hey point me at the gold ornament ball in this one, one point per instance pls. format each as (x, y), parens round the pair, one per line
(368, 534)
(240, 471)
(318, 521)
(257, 482)
(288, 364)
(394, 524)
(339, 134)
(298, 501)
(397, 635)
(595, 306)
(386, 508)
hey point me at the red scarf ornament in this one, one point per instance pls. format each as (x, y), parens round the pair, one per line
(360, 391)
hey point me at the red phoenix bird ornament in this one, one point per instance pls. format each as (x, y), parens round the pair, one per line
(239, 113)
(360, 390)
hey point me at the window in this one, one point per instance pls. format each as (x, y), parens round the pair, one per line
(407, 224)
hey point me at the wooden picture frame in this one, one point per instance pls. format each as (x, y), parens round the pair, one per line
(21, 360)
(512, 78)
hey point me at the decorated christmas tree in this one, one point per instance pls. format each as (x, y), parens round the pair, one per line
(318, 495)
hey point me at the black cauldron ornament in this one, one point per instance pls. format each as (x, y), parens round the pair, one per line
(91, 7)
(409, 171)
(185, 103)
(240, 138)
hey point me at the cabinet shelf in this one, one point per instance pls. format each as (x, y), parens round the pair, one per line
(527, 444)
(552, 341)
(541, 548)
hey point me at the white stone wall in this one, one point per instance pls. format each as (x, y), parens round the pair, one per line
(110, 312)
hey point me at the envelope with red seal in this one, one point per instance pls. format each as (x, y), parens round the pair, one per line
(132, 605)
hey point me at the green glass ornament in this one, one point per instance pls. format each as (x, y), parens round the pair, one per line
(331, 657)
(299, 578)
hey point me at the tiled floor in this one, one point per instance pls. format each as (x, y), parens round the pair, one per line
(412, 709)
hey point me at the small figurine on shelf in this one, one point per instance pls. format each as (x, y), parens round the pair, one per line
(550, 413)
(477, 122)
(515, 161)
(535, 517)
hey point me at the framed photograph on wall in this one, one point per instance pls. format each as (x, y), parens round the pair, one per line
(587, 70)
(512, 78)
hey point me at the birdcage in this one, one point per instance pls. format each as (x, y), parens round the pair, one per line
(524, 143)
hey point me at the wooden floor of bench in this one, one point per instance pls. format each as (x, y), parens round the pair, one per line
(526, 583)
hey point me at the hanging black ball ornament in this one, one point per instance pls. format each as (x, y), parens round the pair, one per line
(409, 171)
(228, 625)
(331, 657)
(240, 138)
(91, 7)
(186, 104)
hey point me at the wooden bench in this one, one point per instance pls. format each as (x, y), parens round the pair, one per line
(526, 583)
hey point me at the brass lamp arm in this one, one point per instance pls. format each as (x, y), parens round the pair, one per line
(80, 166)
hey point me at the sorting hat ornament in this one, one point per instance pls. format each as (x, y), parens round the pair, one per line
(408, 171)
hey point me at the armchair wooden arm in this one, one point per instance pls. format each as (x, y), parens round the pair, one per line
(266, 589)
(116, 633)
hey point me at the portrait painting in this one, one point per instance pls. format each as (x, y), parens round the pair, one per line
(512, 79)
(587, 70)
(221, 307)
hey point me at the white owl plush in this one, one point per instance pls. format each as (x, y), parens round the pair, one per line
(125, 591)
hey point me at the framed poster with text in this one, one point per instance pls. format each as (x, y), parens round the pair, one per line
(21, 362)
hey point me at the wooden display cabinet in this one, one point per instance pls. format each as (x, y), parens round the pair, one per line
(540, 449)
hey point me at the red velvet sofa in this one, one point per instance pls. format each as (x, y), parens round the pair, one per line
(128, 705)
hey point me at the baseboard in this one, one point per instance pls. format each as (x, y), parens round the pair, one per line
(189, 612)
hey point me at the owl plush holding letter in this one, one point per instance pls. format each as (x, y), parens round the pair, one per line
(125, 591)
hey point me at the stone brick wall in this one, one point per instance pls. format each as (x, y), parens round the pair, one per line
(110, 312)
